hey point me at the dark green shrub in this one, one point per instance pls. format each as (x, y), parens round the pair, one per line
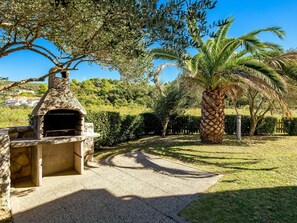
(230, 124)
(194, 124)
(151, 124)
(131, 128)
(178, 124)
(290, 126)
(185, 124)
(108, 124)
(245, 124)
(266, 126)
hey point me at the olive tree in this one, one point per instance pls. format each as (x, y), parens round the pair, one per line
(114, 34)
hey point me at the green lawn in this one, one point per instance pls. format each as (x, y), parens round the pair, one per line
(259, 182)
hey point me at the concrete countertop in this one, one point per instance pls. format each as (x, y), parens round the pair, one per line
(50, 140)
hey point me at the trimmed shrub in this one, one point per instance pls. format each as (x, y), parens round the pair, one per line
(290, 126)
(266, 126)
(186, 124)
(230, 124)
(108, 124)
(194, 124)
(131, 128)
(151, 124)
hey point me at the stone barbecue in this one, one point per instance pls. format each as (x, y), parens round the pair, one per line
(59, 139)
(58, 113)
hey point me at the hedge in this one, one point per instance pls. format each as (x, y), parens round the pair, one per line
(108, 124)
(151, 124)
(290, 126)
(115, 128)
(186, 124)
(264, 127)
(230, 124)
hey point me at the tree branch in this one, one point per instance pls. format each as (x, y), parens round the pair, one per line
(17, 83)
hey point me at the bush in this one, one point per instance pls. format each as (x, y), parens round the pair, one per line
(186, 124)
(266, 126)
(108, 124)
(290, 126)
(151, 124)
(131, 128)
(230, 124)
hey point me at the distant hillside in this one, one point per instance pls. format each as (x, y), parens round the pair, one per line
(98, 91)
(28, 90)
(93, 92)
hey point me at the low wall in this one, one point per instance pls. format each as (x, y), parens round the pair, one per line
(20, 163)
(4, 171)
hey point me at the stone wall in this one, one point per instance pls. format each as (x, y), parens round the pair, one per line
(4, 171)
(20, 163)
(89, 142)
(19, 132)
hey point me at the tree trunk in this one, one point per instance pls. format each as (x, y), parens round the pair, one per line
(164, 126)
(253, 127)
(212, 117)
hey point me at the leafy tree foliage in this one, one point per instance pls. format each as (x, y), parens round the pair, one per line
(114, 34)
(94, 92)
(174, 102)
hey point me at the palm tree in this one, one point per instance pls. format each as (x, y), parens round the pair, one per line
(221, 63)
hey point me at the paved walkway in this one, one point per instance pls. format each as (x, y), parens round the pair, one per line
(133, 187)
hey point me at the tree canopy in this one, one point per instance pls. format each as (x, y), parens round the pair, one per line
(112, 33)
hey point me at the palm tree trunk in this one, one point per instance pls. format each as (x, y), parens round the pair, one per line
(212, 117)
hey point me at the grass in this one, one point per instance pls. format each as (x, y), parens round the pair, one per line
(259, 182)
(17, 116)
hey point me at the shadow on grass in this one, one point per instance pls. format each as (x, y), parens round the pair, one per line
(147, 162)
(176, 147)
(278, 204)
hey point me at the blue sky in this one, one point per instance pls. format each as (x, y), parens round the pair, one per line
(248, 14)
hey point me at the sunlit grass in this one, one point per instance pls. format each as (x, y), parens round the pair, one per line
(17, 116)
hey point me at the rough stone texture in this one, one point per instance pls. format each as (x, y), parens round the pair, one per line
(18, 132)
(50, 140)
(20, 163)
(4, 172)
(59, 96)
(89, 142)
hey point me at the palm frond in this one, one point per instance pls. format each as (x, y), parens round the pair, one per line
(222, 31)
(278, 31)
(276, 48)
(263, 88)
(266, 73)
(166, 54)
(193, 64)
